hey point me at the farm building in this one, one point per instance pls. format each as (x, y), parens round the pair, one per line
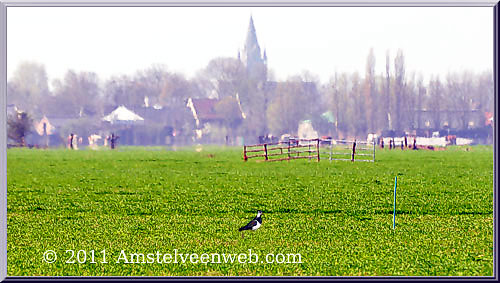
(145, 125)
(203, 110)
(122, 115)
(48, 131)
(44, 127)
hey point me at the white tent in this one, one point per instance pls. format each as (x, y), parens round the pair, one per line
(122, 115)
(306, 130)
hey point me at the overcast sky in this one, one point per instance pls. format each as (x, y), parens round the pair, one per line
(322, 40)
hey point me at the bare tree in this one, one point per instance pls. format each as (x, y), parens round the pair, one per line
(223, 76)
(345, 109)
(435, 100)
(151, 81)
(370, 91)
(358, 116)
(420, 97)
(410, 97)
(175, 90)
(287, 109)
(399, 85)
(77, 95)
(485, 92)
(28, 87)
(387, 105)
(459, 89)
(18, 126)
(336, 101)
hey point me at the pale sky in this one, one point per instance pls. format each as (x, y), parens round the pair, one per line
(122, 40)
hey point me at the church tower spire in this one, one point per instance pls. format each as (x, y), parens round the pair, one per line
(251, 51)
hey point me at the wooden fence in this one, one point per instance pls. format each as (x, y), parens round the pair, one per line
(280, 151)
(310, 149)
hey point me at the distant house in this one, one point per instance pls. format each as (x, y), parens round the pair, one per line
(52, 124)
(203, 110)
(44, 126)
(154, 115)
(59, 122)
(122, 115)
(47, 130)
(204, 114)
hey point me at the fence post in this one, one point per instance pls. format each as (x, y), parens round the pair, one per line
(309, 150)
(288, 150)
(297, 145)
(317, 148)
(373, 150)
(353, 151)
(331, 149)
(265, 149)
(245, 157)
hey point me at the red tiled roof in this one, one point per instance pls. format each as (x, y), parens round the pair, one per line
(205, 108)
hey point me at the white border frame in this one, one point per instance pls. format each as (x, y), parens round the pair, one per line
(218, 3)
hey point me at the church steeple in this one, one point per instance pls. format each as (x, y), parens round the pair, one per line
(251, 51)
(252, 34)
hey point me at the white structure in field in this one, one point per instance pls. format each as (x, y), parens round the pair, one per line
(372, 138)
(122, 115)
(306, 130)
(463, 141)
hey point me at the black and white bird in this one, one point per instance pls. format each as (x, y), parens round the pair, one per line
(254, 224)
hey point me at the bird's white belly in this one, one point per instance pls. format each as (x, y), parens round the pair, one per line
(256, 226)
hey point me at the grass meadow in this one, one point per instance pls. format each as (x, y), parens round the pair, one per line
(336, 215)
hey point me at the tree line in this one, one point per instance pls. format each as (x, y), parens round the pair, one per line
(348, 105)
(401, 102)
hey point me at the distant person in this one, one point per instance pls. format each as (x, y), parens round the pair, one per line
(70, 140)
(390, 144)
(175, 133)
(75, 142)
(406, 142)
(382, 143)
(353, 151)
(113, 140)
(414, 143)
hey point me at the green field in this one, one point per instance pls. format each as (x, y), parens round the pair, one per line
(337, 216)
